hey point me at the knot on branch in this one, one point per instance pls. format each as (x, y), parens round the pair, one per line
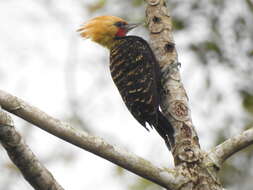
(156, 19)
(169, 47)
(179, 110)
(153, 2)
(7, 132)
(5, 119)
(186, 131)
(156, 27)
(187, 153)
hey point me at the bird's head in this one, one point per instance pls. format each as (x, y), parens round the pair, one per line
(104, 29)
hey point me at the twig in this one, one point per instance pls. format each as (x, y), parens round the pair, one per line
(21, 155)
(223, 151)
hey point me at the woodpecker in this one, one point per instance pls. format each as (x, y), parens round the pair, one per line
(134, 70)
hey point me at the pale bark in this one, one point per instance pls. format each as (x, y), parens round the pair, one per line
(194, 169)
(231, 146)
(168, 178)
(175, 101)
(21, 155)
(190, 161)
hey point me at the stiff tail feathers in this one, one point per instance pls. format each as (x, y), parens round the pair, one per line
(165, 129)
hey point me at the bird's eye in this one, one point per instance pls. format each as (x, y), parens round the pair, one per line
(120, 24)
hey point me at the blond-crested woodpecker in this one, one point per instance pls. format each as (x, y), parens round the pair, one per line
(134, 70)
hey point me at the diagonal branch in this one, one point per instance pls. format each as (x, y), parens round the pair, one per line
(164, 177)
(33, 171)
(231, 146)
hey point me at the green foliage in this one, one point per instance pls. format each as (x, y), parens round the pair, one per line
(250, 5)
(212, 46)
(237, 169)
(250, 53)
(143, 184)
(247, 102)
(137, 3)
(203, 49)
(96, 6)
(138, 183)
(178, 24)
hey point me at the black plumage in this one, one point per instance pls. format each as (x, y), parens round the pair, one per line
(136, 73)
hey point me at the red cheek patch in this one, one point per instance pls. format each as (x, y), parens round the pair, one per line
(121, 32)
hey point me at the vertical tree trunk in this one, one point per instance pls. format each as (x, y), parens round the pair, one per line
(189, 160)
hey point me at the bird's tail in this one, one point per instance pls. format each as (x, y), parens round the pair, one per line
(165, 129)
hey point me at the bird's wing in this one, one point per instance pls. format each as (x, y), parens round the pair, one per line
(136, 74)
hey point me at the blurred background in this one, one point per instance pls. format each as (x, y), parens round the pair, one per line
(45, 62)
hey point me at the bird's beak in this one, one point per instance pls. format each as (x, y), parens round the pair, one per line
(129, 27)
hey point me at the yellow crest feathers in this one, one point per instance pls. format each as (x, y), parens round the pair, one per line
(100, 29)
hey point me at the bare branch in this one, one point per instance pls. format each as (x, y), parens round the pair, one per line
(223, 151)
(164, 177)
(33, 171)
